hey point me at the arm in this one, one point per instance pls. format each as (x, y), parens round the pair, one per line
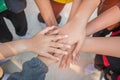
(46, 12)
(12, 48)
(74, 8)
(98, 45)
(40, 44)
(106, 46)
(107, 18)
(83, 10)
(76, 27)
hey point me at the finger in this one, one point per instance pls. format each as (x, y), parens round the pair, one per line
(60, 45)
(58, 55)
(109, 77)
(64, 41)
(68, 61)
(50, 56)
(74, 61)
(78, 56)
(58, 37)
(57, 51)
(44, 31)
(54, 32)
(63, 61)
(111, 72)
(76, 50)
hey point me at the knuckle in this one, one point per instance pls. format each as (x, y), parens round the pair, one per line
(53, 50)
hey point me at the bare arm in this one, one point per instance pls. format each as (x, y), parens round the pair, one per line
(76, 27)
(85, 10)
(12, 48)
(40, 44)
(107, 46)
(107, 18)
(47, 12)
(74, 8)
(79, 21)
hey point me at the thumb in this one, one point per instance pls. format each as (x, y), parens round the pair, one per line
(76, 50)
(44, 31)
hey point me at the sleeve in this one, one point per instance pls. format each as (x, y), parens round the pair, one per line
(32, 70)
(118, 78)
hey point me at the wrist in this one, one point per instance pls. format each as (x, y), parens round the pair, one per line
(50, 21)
(43, 60)
(20, 46)
(78, 22)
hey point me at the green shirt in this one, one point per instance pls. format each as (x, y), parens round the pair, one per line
(3, 6)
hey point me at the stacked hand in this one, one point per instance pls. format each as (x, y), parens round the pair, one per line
(47, 45)
(76, 36)
(57, 42)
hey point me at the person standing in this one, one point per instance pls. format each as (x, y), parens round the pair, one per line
(15, 13)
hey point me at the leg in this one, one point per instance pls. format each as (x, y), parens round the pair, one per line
(5, 34)
(19, 21)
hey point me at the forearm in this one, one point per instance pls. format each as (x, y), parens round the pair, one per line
(74, 8)
(84, 11)
(107, 46)
(46, 12)
(12, 48)
(106, 19)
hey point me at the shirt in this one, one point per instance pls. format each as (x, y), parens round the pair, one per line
(63, 1)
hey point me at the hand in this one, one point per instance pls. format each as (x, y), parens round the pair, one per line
(44, 44)
(76, 35)
(109, 76)
(67, 59)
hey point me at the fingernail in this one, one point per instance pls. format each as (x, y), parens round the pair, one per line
(74, 55)
(76, 63)
(67, 67)
(66, 36)
(68, 46)
(65, 52)
(58, 59)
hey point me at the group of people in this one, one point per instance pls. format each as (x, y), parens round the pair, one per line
(66, 41)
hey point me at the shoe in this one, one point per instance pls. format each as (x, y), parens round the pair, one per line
(40, 19)
(26, 36)
(89, 69)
